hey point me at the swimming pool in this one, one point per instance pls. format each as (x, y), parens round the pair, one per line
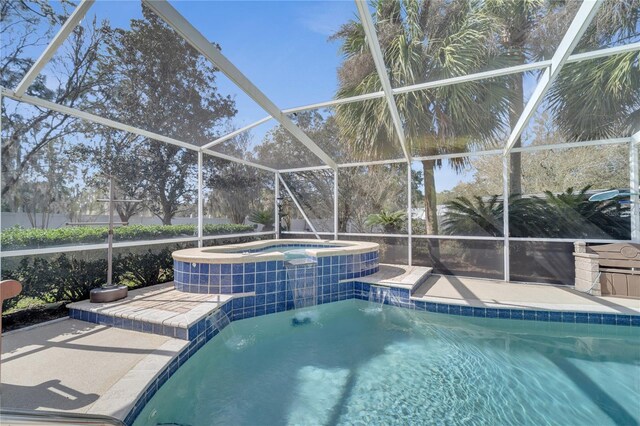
(355, 362)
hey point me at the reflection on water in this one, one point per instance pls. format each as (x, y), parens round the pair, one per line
(359, 363)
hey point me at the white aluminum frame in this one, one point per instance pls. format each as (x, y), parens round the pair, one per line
(634, 186)
(191, 35)
(67, 28)
(578, 26)
(199, 42)
(378, 59)
(299, 207)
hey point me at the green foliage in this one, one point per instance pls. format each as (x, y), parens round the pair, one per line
(263, 217)
(63, 278)
(474, 217)
(392, 222)
(19, 238)
(566, 215)
(145, 269)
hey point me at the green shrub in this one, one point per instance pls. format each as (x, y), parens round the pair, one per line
(145, 269)
(69, 277)
(19, 238)
(263, 217)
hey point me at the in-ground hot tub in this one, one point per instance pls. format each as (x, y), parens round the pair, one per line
(262, 267)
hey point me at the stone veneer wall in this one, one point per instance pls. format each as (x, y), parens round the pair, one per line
(587, 270)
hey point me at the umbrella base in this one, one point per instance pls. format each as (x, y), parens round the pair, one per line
(108, 294)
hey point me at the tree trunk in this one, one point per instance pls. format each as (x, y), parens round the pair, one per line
(517, 106)
(167, 215)
(431, 208)
(430, 202)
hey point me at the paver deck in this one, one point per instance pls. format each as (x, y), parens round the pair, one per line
(160, 305)
(498, 294)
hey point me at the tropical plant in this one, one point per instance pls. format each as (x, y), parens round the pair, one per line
(265, 218)
(479, 216)
(600, 98)
(391, 222)
(423, 41)
(566, 215)
(572, 215)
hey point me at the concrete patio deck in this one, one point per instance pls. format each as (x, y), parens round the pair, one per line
(37, 374)
(498, 294)
(75, 366)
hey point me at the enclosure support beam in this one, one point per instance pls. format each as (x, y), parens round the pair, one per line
(374, 45)
(634, 185)
(209, 50)
(277, 197)
(505, 217)
(236, 133)
(73, 112)
(580, 22)
(336, 218)
(200, 200)
(409, 216)
(237, 160)
(579, 57)
(295, 201)
(69, 25)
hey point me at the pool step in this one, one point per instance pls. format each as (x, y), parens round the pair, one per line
(397, 276)
(159, 309)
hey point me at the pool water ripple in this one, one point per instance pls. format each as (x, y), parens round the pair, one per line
(353, 365)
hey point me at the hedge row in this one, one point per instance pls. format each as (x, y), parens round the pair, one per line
(19, 238)
(68, 277)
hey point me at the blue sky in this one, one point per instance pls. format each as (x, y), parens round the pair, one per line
(283, 47)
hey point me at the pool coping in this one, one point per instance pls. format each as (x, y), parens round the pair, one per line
(232, 253)
(130, 395)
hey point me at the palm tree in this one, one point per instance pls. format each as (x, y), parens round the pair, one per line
(589, 100)
(391, 222)
(421, 41)
(566, 215)
(474, 217)
(600, 98)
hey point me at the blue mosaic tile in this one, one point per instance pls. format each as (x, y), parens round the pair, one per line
(479, 312)
(492, 313)
(582, 317)
(624, 320)
(442, 308)
(504, 313)
(595, 318)
(466, 311)
(543, 316)
(517, 314)
(555, 316)
(454, 309)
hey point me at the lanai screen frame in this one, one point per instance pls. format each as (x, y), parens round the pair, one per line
(550, 69)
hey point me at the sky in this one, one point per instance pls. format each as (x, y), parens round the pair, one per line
(283, 47)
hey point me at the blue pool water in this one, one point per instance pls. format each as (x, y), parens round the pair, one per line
(357, 363)
(290, 252)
